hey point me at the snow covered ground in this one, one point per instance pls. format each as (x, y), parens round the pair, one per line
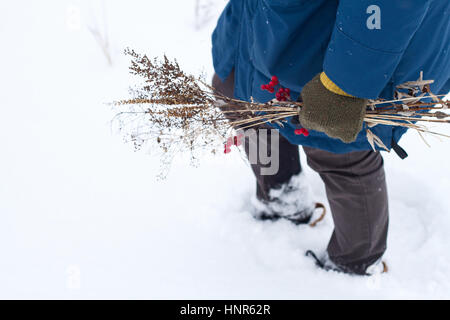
(82, 216)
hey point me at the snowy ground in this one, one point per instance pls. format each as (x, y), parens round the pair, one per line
(82, 216)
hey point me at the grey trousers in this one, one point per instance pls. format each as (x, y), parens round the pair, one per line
(356, 190)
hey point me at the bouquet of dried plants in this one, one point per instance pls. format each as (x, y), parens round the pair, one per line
(174, 112)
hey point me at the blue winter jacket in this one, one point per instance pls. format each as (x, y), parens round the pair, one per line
(297, 39)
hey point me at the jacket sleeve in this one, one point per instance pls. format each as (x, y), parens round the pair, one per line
(365, 49)
(225, 39)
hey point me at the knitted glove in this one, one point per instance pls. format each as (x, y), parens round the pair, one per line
(328, 109)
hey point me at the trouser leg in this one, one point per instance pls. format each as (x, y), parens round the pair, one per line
(356, 190)
(289, 159)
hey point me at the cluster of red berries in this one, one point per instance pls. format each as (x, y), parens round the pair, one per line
(232, 141)
(302, 131)
(272, 84)
(283, 94)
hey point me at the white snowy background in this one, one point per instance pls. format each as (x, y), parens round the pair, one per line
(82, 215)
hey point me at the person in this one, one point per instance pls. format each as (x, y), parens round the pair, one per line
(333, 55)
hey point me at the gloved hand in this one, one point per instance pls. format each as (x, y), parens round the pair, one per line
(337, 115)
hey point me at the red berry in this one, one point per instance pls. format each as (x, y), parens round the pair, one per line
(302, 131)
(271, 89)
(227, 150)
(275, 79)
(263, 87)
(238, 140)
(287, 90)
(273, 83)
(229, 142)
(278, 95)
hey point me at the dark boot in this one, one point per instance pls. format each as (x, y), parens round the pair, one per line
(326, 264)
